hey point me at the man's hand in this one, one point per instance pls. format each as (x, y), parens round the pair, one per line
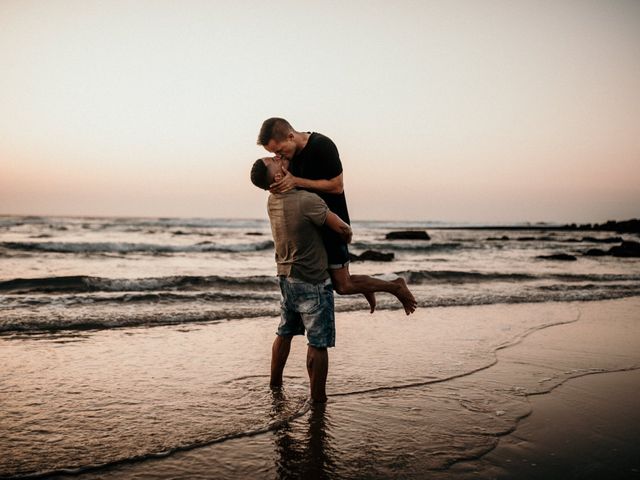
(286, 183)
(346, 233)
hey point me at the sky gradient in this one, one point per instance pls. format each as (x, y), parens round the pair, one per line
(479, 111)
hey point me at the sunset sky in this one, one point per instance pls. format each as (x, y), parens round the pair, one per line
(479, 111)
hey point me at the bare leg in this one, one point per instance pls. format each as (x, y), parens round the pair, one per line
(371, 298)
(279, 354)
(347, 284)
(317, 368)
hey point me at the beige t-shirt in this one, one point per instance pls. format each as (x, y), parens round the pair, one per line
(296, 217)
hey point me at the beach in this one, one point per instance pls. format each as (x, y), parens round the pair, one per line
(478, 162)
(140, 348)
(440, 394)
(587, 428)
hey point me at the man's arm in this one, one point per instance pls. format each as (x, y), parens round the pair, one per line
(289, 182)
(335, 223)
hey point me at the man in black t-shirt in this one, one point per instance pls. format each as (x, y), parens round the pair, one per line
(314, 165)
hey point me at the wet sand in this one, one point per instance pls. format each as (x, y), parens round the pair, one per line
(447, 393)
(587, 428)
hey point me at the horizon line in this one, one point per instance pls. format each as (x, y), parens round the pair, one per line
(458, 222)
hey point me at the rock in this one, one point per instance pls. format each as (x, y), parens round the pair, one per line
(626, 249)
(565, 257)
(254, 233)
(627, 226)
(602, 240)
(595, 252)
(372, 255)
(494, 239)
(376, 256)
(546, 238)
(408, 235)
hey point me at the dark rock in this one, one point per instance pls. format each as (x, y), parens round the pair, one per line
(558, 256)
(408, 235)
(602, 240)
(546, 238)
(373, 256)
(255, 233)
(494, 239)
(178, 232)
(627, 226)
(595, 252)
(626, 249)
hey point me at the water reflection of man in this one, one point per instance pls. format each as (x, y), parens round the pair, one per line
(309, 457)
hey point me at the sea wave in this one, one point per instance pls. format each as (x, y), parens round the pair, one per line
(119, 222)
(17, 301)
(69, 318)
(454, 276)
(85, 283)
(413, 246)
(127, 247)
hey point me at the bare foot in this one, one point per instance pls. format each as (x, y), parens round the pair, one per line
(371, 298)
(405, 296)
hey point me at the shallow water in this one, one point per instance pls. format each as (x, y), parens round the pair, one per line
(407, 394)
(588, 428)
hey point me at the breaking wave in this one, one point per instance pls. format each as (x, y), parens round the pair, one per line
(126, 247)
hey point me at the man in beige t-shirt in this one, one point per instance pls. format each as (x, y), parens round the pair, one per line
(307, 293)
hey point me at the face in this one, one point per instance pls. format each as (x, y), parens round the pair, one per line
(284, 149)
(274, 166)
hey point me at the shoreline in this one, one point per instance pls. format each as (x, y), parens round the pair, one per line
(585, 428)
(401, 432)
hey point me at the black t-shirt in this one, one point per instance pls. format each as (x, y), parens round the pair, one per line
(319, 160)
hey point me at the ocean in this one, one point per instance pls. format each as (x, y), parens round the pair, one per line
(79, 273)
(128, 340)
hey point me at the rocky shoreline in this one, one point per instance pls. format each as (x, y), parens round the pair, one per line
(625, 249)
(625, 226)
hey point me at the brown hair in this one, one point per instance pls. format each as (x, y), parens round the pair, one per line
(274, 129)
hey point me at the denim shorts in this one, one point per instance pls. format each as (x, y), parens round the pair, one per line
(307, 307)
(337, 250)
